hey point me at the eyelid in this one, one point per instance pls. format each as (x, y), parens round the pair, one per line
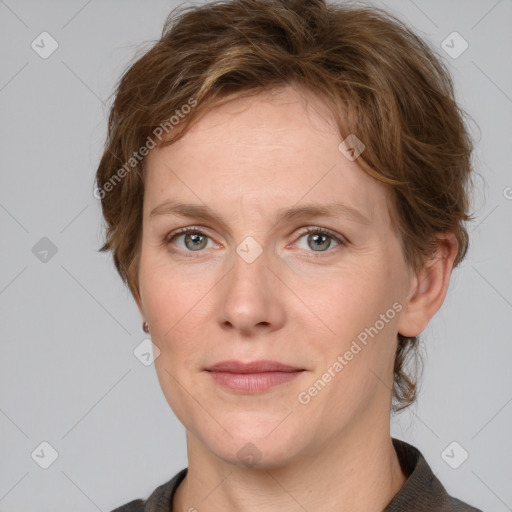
(341, 240)
(324, 231)
(183, 231)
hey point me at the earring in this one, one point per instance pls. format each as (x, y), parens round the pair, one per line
(145, 327)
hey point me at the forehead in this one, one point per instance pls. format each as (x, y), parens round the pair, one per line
(273, 149)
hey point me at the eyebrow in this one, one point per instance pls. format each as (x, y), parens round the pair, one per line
(331, 210)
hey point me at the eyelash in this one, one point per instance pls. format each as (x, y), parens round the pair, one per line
(317, 230)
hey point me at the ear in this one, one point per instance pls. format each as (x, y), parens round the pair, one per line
(429, 287)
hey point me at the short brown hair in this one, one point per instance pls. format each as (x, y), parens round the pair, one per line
(383, 83)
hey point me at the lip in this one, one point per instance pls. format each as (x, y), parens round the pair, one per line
(262, 366)
(252, 377)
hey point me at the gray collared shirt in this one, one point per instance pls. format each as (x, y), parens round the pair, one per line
(422, 491)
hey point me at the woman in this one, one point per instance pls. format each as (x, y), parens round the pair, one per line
(284, 186)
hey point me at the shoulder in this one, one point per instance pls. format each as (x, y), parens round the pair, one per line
(132, 506)
(160, 499)
(460, 506)
(422, 490)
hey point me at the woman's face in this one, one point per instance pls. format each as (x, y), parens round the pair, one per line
(250, 283)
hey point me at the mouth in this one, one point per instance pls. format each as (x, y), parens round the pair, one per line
(252, 377)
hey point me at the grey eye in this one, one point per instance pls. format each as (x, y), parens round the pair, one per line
(195, 241)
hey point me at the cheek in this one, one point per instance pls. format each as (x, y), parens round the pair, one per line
(162, 291)
(178, 310)
(348, 299)
(359, 312)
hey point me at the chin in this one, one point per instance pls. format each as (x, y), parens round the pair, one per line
(258, 450)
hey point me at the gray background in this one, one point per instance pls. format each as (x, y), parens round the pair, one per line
(69, 327)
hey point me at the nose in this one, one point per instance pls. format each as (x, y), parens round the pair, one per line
(251, 297)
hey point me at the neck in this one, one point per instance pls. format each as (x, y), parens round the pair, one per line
(360, 473)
